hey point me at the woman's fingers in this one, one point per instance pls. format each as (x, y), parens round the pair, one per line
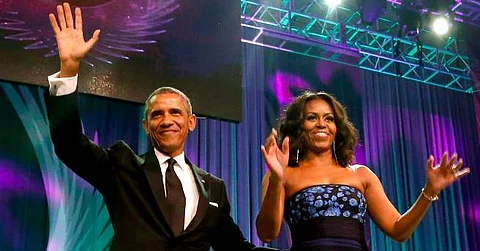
(444, 159)
(430, 162)
(459, 164)
(285, 145)
(459, 171)
(451, 162)
(264, 152)
(459, 174)
(271, 139)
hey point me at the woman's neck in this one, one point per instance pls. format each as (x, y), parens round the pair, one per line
(319, 160)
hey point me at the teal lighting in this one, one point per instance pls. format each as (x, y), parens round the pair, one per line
(311, 29)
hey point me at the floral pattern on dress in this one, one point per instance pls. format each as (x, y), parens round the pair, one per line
(327, 200)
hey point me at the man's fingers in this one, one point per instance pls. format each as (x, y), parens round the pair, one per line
(78, 19)
(94, 38)
(68, 15)
(53, 23)
(61, 17)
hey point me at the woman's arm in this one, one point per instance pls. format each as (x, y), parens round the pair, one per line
(385, 215)
(270, 217)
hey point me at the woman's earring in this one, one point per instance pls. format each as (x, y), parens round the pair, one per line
(334, 151)
(298, 153)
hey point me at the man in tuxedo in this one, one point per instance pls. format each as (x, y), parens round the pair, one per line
(157, 201)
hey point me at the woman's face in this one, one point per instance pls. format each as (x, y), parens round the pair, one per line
(319, 126)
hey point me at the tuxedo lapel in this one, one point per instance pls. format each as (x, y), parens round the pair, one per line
(154, 176)
(203, 186)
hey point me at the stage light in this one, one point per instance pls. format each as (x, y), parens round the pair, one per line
(441, 15)
(440, 25)
(333, 3)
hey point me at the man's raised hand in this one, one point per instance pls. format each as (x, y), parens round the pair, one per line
(72, 46)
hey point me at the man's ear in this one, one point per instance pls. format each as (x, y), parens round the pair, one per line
(145, 126)
(192, 122)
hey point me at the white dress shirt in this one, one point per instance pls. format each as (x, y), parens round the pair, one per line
(61, 86)
(65, 86)
(185, 174)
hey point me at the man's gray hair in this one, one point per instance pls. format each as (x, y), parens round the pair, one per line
(167, 89)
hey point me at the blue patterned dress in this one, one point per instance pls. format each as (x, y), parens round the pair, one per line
(327, 217)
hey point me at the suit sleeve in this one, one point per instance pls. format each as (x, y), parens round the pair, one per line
(229, 236)
(82, 156)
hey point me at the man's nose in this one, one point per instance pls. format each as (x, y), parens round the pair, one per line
(166, 121)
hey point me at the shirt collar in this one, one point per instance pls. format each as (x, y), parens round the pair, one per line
(180, 159)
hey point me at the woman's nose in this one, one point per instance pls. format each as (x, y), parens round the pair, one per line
(321, 123)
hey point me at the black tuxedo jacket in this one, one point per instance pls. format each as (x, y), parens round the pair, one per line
(133, 190)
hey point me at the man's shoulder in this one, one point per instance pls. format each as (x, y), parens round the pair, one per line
(122, 149)
(207, 175)
(121, 145)
(215, 178)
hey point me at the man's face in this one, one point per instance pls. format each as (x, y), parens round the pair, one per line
(168, 122)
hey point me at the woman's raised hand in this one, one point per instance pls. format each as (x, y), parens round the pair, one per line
(276, 158)
(444, 174)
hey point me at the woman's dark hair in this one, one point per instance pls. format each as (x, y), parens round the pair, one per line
(291, 125)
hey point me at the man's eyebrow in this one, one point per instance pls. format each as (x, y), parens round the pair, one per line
(176, 110)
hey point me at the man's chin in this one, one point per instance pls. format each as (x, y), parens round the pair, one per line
(166, 149)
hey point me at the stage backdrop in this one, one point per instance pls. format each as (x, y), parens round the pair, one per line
(46, 207)
(400, 124)
(143, 45)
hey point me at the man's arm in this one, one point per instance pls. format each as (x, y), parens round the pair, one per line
(85, 158)
(74, 149)
(71, 48)
(229, 236)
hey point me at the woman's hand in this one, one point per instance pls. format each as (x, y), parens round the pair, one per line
(443, 174)
(276, 158)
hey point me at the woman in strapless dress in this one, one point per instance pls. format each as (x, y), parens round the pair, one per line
(323, 198)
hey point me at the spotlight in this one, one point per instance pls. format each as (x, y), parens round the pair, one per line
(441, 14)
(440, 25)
(333, 3)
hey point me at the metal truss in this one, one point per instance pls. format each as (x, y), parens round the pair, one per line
(469, 11)
(310, 28)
